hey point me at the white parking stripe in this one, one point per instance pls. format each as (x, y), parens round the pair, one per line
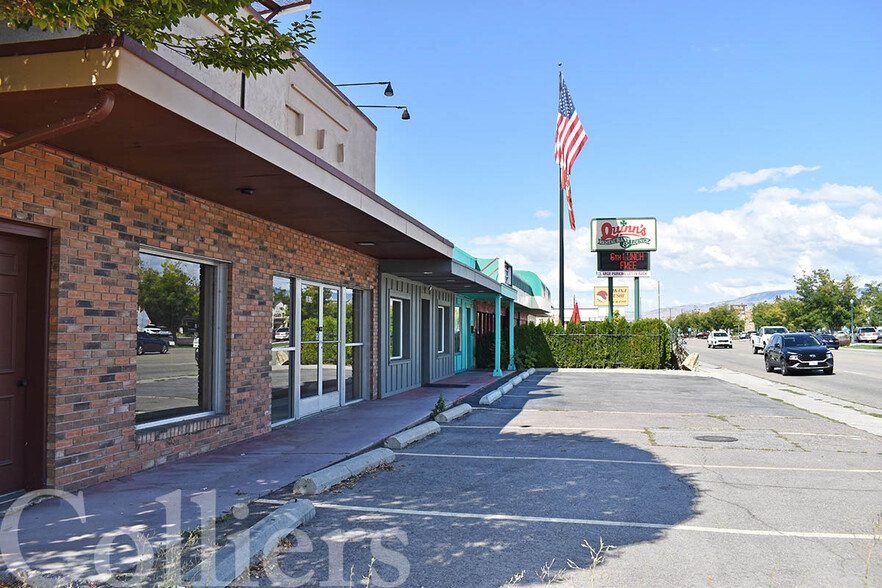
(649, 463)
(593, 522)
(677, 414)
(533, 428)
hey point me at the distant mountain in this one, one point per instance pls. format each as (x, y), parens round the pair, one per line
(751, 299)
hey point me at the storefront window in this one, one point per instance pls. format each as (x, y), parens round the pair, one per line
(441, 328)
(179, 337)
(399, 328)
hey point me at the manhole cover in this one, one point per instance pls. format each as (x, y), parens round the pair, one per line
(715, 439)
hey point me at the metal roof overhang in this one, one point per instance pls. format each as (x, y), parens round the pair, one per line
(210, 150)
(446, 274)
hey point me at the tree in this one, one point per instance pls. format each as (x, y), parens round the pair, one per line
(723, 317)
(826, 302)
(249, 45)
(871, 301)
(768, 313)
(167, 296)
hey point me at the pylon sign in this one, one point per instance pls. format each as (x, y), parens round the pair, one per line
(623, 234)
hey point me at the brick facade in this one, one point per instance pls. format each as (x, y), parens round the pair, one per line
(100, 217)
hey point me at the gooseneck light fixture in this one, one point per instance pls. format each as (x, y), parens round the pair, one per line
(388, 91)
(404, 115)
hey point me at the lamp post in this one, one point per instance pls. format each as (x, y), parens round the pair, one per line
(852, 320)
(388, 91)
(404, 115)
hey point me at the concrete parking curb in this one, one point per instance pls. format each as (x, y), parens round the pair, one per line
(230, 561)
(453, 413)
(318, 482)
(495, 395)
(410, 436)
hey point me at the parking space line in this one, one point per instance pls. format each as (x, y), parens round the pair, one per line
(635, 462)
(592, 522)
(533, 428)
(624, 412)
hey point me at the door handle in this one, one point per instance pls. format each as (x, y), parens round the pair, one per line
(22, 383)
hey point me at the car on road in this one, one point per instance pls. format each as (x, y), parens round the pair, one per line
(829, 340)
(719, 339)
(793, 352)
(148, 343)
(702, 335)
(866, 335)
(761, 338)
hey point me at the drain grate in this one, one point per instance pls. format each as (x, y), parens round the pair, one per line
(715, 439)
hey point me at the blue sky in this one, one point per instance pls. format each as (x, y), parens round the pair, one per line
(675, 96)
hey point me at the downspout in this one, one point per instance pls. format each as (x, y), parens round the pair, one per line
(96, 114)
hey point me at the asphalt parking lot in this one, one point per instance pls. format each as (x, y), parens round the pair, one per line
(692, 480)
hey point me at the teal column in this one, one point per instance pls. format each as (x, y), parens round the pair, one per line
(511, 364)
(498, 334)
(636, 299)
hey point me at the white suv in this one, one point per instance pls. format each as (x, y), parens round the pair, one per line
(866, 334)
(719, 339)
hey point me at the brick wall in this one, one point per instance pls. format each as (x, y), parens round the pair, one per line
(101, 217)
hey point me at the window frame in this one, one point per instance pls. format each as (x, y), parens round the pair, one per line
(442, 329)
(404, 338)
(212, 351)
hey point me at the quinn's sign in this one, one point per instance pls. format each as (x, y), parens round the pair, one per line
(623, 264)
(621, 234)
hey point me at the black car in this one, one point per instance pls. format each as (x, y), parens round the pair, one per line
(829, 340)
(149, 343)
(794, 352)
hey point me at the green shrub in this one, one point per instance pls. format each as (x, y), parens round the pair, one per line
(643, 344)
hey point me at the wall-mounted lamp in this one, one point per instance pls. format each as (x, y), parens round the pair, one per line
(404, 115)
(245, 190)
(388, 91)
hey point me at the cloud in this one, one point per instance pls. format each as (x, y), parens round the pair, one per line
(711, 256)
(542, 214)
(780, 231)
(737, 179)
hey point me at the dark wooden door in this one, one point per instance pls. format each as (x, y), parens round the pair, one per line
(13, 357)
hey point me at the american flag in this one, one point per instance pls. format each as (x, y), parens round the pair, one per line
(570, 134)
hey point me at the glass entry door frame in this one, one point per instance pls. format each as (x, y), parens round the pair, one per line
(326, 345)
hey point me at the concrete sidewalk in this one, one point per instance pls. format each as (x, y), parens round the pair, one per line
(55, 538)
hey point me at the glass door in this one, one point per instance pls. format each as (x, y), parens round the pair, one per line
(319, 385)
(282, 351)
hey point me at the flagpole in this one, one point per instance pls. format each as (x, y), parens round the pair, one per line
(561, 232)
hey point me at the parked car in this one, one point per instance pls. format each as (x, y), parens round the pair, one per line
(746, 334)
(196, 348)
(702, 334)
(866, 335)
(829, 340)
(797, 352)
(148, 343)
(719, 339)
(158, 330)
(282, 334)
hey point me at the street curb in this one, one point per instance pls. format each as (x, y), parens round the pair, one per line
(409, 436)
(229, 562)
(318, 482)
(454, 413)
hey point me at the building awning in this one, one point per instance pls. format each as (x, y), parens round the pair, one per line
(447, 274)
(169, 128)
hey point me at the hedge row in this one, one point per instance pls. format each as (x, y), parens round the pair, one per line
(644, 344)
